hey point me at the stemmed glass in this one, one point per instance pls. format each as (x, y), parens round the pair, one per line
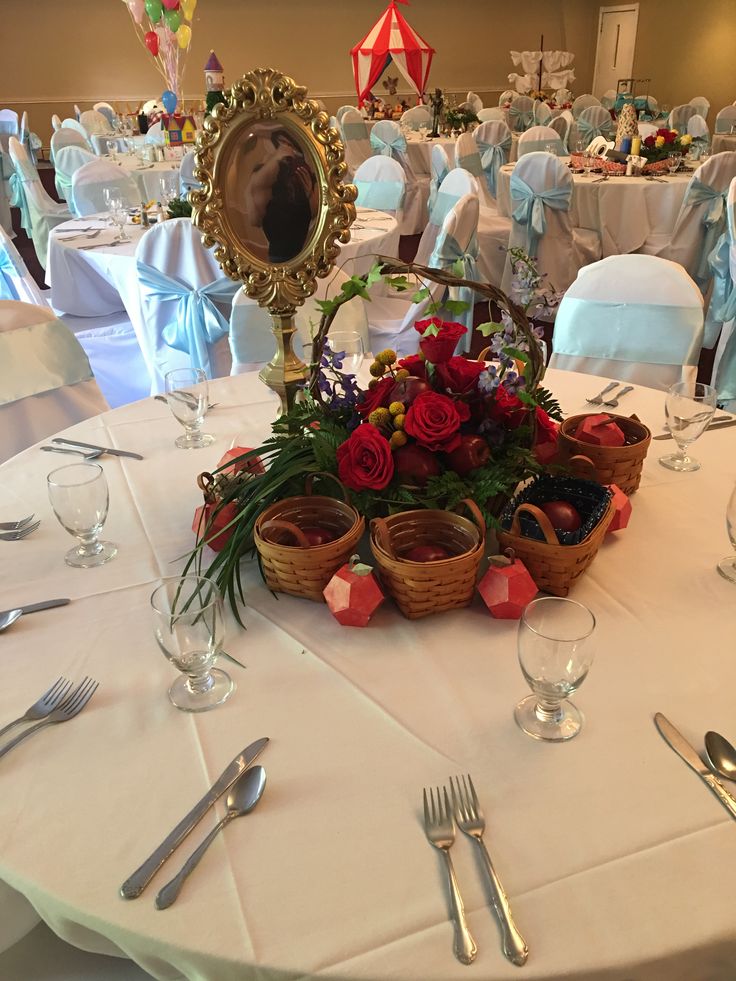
(119, 217)
(189, 626)
(727, 566)
(673, 162)
(587, 163)
(80, 499)
(349, 343)
(188, 397)
(689, 408)
(168, 184)
(555, 653)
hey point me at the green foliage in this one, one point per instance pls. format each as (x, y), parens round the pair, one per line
(179, 208)
(213, 98)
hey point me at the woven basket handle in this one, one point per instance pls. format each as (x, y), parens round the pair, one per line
(542, 520)
(276, 524)
(477, 516)
(484, 354)
(381, 531)
(206, 483)
(324, 473)
(583, 465)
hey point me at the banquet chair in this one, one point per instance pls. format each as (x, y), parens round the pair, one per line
(583, 102)
(107, 111)
(491, 115)
(590, 123)
(46, 383)
(66, 137)
(16, 282)
(342, 110)
(355, 138)
(647, 129)
(561, 125)
(77, 112)
(416, 118)
(506, 97)
(74, 124)
(92, 179)
(608, 99)
(541, 113)
(67, 161)
(6, 170)
(187, 181)
(467, 156)
(541, 138)
(474, 102)
(8, 126)
(30, 140)
(440, 167)
(102, 144)
(381, 184)
(678, 118)
(155, 135)
(726, 120)
(702, 105)
(541, 192)
(698, 129)
(95, 123)
(38, 213)
(185, 303)
(387, 140)
(55, 122)
(252, 341)
(636, 318)
(723, 303)
(493, 140)
(562, 96)
(521, 113)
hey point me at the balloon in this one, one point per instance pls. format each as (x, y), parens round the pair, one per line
(169, 100)
(188, 8)
(154, 10)
(151, 40)
(165, 37)
(136, 8)
(172, 20)
(171, 4)
(184, 36)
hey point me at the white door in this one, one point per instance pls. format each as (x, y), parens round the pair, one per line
(616, 42)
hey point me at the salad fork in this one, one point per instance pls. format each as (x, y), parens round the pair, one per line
(44, 706)
(15, 536)
(439, 827)
(472, 822)
(598, 399)
(68, 709)
(16, 525)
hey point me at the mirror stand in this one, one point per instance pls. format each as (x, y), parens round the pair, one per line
(286, 374)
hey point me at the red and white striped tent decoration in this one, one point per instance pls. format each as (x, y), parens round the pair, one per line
(391, 38)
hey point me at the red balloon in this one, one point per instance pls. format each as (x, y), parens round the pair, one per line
(171, 4)
(151, 40)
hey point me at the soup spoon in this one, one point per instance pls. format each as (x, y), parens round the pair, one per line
(721, 754)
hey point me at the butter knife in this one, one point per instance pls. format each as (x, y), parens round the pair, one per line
(137, 882)
(685, 751)
(93, 446)
(718, 424)
(35, 607)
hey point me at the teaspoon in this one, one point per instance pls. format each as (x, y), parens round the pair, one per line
(245, 794)
(721, 755)
(9, 617)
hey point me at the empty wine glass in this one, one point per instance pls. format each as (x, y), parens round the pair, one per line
(555, 653)
(188, 397)
(80, 499)
(119, 218)
(349, 344)
(169, 187)
(673, 162)
(588, 161)
(550, 148)
(727, 566)
(189, 626)
(689, 408)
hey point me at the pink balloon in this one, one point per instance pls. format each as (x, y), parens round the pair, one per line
(171, 4)
(136, 8)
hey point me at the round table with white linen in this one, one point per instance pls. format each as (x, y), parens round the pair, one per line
(147, 175)
(617, 860)
(625, 211)
(723, 141)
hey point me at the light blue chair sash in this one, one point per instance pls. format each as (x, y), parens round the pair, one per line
(520, 119)
(40, 358)
(472, 164)
(434, 186)
(355, 131)
(394, 148)
(381, 195)
(492, 157)
(529, 212)
(18, 200)
(535, 146)
(198, 322)
(722, 306)
(447, 252)
(442, 205)
(589, 131)
(646, 332)
(8, 275)
(714, 219)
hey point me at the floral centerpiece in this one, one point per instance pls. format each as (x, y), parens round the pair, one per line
(659, 146)
(460, 119)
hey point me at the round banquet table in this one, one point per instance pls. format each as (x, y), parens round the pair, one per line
(723, 141)
(625, 211)
(92, 276)
(618, 862)
(420, 150)
(148, 175)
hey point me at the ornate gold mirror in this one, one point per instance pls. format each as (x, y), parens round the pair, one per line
(274, 203)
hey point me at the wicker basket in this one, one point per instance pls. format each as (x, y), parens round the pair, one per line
(620, 465)
(293, 568)
(421, 588)
(615, 169)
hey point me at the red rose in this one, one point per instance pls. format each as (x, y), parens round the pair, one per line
(441, 346)
(459, 375)
(377, 397)
(416, 366)
(364, 461)
(434, 420)
(545, 446)
(507, 409)
(650, 141)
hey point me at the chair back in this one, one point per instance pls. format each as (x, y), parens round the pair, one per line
(74, 124)
(342, 110)
(468, 158)
(506, 97)
(678, 118)
(491, 115)
(46, 383)
(187, 181)
(493, 141)
(521, 113)
(541, 138)
(155, 135)
(457, 245)
(381, 184)
(67, 162)
(637, 318)
(474, 102)
(55, 122)
(542, 113)
(387, 139)
(39, 214)
(416, 117)
(95, 123)
(185, 302)
(561, 126)
(440, 167)
(702, 105)
(583, 102)
(647, 129)
(723, 305)
(590, 123)
(93, 178)
(108, 112)
(698, 128)
(608, 99)
(355, 138)
(16, 282)
(726, 120)
(8, 127)
(66, 137)
(562, 96)
(457, 184)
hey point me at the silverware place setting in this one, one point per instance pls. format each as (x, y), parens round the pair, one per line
(19, 533)
(9, 617)
(56, 709)
(598, 399)
(91, 455)
(86, 233)
(721, 422)
(612, 403)
(16, 525)
(89, 450)
(722, 752)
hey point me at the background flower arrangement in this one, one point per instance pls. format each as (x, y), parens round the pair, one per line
(666, 141)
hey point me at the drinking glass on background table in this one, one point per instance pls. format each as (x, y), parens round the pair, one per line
(189, 626)
(689, 408)
(727, 566)
(555, 653)
(673, 162)
(119, 218)
(169, 184)
(80, 499)
(350, 344)
(188, 397)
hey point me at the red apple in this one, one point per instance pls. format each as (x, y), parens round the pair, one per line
(473, 452)
(213, 533)
(318, 536)
(415, 464)
(407, 390)
(426, 553)
(563, 515)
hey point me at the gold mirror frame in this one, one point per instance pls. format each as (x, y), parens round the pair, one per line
(267, 95)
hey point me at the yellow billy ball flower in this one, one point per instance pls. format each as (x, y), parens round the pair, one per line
(386, 357)
(396, 408)
(401, 374)
(379, 417)
(397, 439)
(399, 421)
(377, 370)
(372, 383)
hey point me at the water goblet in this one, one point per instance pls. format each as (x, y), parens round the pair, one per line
(588, 161)
(689, 408)
(168, 183)
(673, 162)
(80, 499)
(555, 653)
(581, 146)
(119, 217)
(727, 566)
(349, 344)
(188, 397)
(189, 627)
(550, 148)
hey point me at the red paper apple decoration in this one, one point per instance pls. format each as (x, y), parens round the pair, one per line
(562, 514)
(254, 465)
(213, 533)
(415, 465)
(426, 553)
(473, 452)
(622, 512)
(318, 536)
(353, 595)
(600, 431)
(507, 586)
(407, 390)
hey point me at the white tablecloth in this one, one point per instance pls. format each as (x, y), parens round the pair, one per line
(617, 860)
(625, 211)
(723, 141)
(148, 175)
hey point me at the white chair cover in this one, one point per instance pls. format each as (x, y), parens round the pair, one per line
(726, 120)
(608, 99)
(95, 123)
(185, 303)
(108, 112)
(381, 184)
(491, 115)
(8, 126)
(563, 95)
(155, 135)
(474, 101)
(590, 123)
(702, 105)
(468, 157)
(387, 139)
(539, 138)
(541, 192)
(55, 122)
(647, 129)
(187, 181)
(252, 341)
(493, 141)
(507, 96)
(698, 128)
(355, 138)
(440, 166)
(521, 113)
(416, 117)
(723, 303)
(89, 182)
(584, 102)
(636, 318)
(679, 117)
(46, 383)
(342, 110)
(77, 111)
(66, 137)
(39, 214)
(561, 125)
(16, 283)
(74, 124)
(542, 113)
(67, 161)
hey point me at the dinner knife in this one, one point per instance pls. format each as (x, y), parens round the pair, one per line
(684, 750)
(137, 882)
(718, 424)
(94, 446)
(35, 607)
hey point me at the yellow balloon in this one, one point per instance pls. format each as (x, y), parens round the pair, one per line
(188, 7)
(184, 36)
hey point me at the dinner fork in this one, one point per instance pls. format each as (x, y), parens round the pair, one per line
(612, 403)
(15, 536)
(472, 822)
(439, 827)
(598, 399)
(15, 525)
(71, 706)
(44, 706)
